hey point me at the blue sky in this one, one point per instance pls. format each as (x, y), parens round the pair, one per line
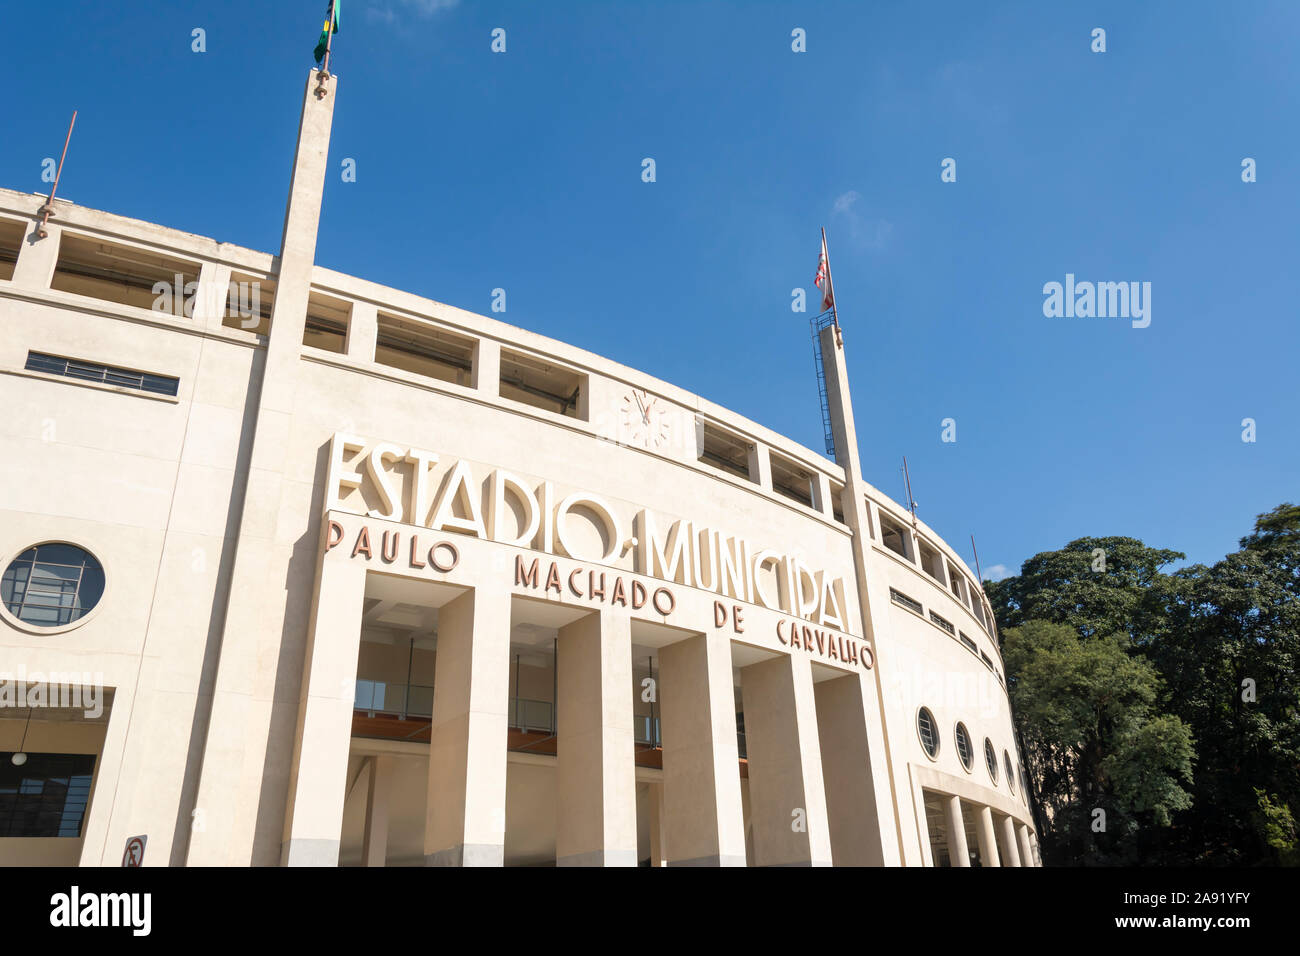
(522, 171)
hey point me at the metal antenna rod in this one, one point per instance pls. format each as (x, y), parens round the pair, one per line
(977, 560)
(48, 209)
(911, 504)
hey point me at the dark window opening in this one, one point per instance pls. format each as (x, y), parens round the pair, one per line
(104, 374)
(791, 480)
(541, 384)
(425, 350)
(721, 449)
(12, 232)
(46, 796)
(327, 323)
(126, 275)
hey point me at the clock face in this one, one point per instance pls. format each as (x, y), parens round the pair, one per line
(645, 419)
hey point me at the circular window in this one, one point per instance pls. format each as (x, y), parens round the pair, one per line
(964, 749)
(928, 730)
(1024, 785)
(52, 586)
(991, 759)
(1011, 773)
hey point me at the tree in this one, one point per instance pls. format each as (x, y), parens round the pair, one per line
(1110, 585)
(1093, 740)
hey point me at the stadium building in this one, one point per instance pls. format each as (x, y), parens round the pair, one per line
(299, 569)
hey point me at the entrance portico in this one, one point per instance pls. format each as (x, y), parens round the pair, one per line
(610, 735)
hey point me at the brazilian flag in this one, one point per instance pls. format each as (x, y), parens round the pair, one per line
(331, 21)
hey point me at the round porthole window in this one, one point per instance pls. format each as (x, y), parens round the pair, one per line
(52, 586)
(929, 731)
(1011, 773)
(991, 759)
(964, 749)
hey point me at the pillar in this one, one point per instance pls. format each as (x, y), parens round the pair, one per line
(760, 466)
(987, 837)
(1026, 851)
(363, 330)
(702, 815)
(37, 257)
(595, 767)
(318, 776)
(847, 771)
(787, 797)
(1007, 842)
(958, 851)
(656, 825)
(487, 367)
(246, 719)
(374, 838)
(465, 824)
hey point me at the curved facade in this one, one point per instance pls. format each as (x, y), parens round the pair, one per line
(384, 581)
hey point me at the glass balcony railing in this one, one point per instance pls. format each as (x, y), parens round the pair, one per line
(400, 700)
(641, 731)
(377, 697)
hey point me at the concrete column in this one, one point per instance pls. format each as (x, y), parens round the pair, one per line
(210, 302)
(466, 818)
(374, 838)
(786, 793)
(988, 838)
(822, 498)
(238, 788)
(906, 841)
(657, 857)
(1007, 842)
(958, 851)
(596, 769)
(487, 367)
(363, 328)
(702, 814)
(760, 465)
(1026, 851)
(847, 772)
(318, 776)
(37, 257)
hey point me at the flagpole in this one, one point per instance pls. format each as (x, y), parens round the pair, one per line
(48, 209)
(830, 281)
(329, 36)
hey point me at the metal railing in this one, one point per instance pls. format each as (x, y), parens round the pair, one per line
(416, 700)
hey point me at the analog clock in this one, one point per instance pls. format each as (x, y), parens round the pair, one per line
(645, 419)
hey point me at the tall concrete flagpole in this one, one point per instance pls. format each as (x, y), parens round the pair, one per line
(254, 700)
(854, 503)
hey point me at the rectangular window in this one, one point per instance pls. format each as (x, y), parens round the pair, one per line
(424, 349)
(898, 597)
(931, 562)
(943, 623)
(11, 240)
(837, 501)
(988, 661)
(327, 323)
(104, 374)
(721, 449)
(895, 537)
(126, 275)
(46, 796)
(790, 479)
(955, 582)
(967, 643)
(248, 303)
(977, 608)
(542, 384)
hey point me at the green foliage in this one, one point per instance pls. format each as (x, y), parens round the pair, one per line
(1213, 655)
(1085, 706)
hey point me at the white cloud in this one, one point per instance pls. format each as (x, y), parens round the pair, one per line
(996, 573)
(390, 11)
(865, 231)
